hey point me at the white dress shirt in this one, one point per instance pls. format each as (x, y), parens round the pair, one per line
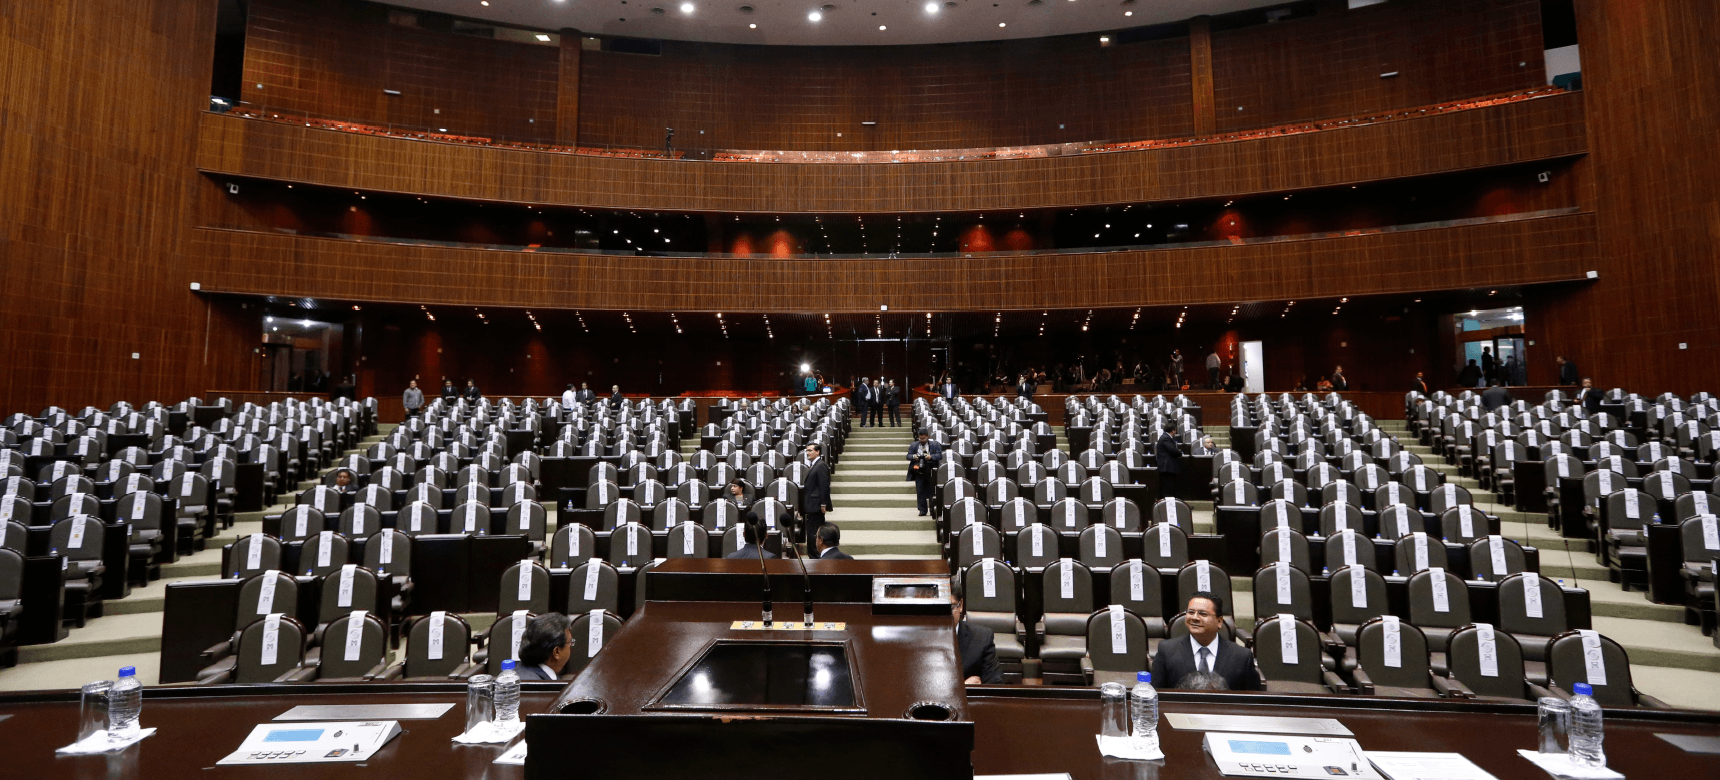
(1212, 648)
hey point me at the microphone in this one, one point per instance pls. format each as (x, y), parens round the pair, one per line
(758, 537)
(806, 578)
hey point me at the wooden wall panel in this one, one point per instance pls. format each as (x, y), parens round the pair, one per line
(100, 108)
(333, 58)
(1508, 253)
(1329, 65)
(951, 96)
(1536, 129)
(1649, 70)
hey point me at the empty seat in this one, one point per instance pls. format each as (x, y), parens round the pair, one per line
(1490, 664)
(1358, 595)
(1116, 641)
(322, 554)
(1136, 587)
(269, 650)
(591, 632)
(1585, 656)
(525, 585)
(1418, 552)
(1438, 605)
(1288, 651)
(1392, 660)
(594, 584)
(1494, 558)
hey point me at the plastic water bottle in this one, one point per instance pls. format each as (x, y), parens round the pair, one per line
(1144, 709)
(507, 694)
(1586, 728)
(125, 703)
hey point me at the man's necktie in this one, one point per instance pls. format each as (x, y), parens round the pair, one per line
(1205, 664)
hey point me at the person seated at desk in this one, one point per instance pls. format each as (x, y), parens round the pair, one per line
(1204, 651)
(343, 481)
(827, 537)
(545, 647)
(737, 494)
(1204, 447)
(976, 647)
(750, 538)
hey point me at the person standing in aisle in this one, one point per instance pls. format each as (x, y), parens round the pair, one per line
(1213, 364)
(878, 401)
(924, 455)
(863, 400)
(893, 400)
(413, 399)
(1169, 456)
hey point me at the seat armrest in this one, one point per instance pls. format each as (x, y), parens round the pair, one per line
(1335, 683)
(464, 671)
(378, 670)
(1087, 668)
(301, 674)
(220, 678)
(1364, 683)
(218, 651)
(1535, 691)
(394, 671)
(1645, 700)
(1451, 688)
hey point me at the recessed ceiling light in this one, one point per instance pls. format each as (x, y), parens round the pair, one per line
(815, 16)
(933, 8)
(1002, 24)
(542, 37)
(882, 27)
(753, 26)
(686, 8)
(484, 3)
(1128, 13)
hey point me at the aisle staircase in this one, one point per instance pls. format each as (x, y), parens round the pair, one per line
(873, 501)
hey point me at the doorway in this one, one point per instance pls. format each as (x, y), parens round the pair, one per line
(1253, 367)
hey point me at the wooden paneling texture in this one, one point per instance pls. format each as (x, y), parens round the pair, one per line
(951, 96)
(1513, 132)
(1649, 70)
(1329, 65)
(99, 109)
(334, 58)
(1521, 252)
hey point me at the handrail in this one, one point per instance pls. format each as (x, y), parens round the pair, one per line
(443, 135)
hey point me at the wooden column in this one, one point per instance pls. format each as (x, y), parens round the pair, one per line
(567, 89)
(1200, 74)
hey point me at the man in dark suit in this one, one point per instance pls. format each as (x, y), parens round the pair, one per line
(751, 532)
(923, 459)
(1169, 456)
(893, 400)
(545, 646)
(827, 537)
(1590, 396)
(815, 494)
(1203, 651)
(1204, 447)
(1494, 396)
(1567, 371)
(616, 399)
(976, 647)
(1418, 384)
(585, 395)
(863, 400)
(1024, 388)
(878, 402)
(472, 391)
(948, 389)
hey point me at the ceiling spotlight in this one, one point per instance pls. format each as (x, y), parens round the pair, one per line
(815, 16)
(753, 26)
(882, 27)
(1128, 13)
(543, 38)
(1002, 24)
(686, 8)
(933, 8)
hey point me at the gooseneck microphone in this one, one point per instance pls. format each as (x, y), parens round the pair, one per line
(805, 578)
(758, 539)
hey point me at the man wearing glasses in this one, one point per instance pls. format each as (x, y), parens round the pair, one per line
(1204, 652)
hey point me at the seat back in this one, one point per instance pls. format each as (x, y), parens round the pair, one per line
(268, 593)
(1282, 588)
(591, 633)
(1135, 584)
(689, 540)
(1418, 552)
(1398, 521)
(963, 513)
(1701, 537)
(1349, 548)
(253, 554)
(1297, 660)
(1585, 656)
(503, 642)
(389, 553)
(593, 585)
(1283, 544)
(326, 552)
(1101, 546)
(1068, 587)
(573, 543)
(13, 536)
(1206, 576)
(1117, 640)
(1357, 595)
(1016, 514)
(992, 606)
(359, 521)
(282, 637)
(1121, 514)
(1438, 599)
(471, 518)
(347, 589)
(1531, 604)
(353, 644)
(1462, 524)
(1174, 511)
(630, 545)
(1069, 515)
(301, 522)
(1165, 546)
(1393, 652)
(1494, 558)
(1035, 546)
(528, 519)
(1487, 661)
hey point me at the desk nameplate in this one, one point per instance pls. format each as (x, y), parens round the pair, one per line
(783, 625)
(1258, 724)
(333, 712)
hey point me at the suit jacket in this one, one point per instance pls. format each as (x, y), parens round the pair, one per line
(748, 551)
(616, 400)
(1495, 397)
(586, 396)
(892, 396)
(1592, 399)
(1418, 386)
(1568, 373)
(978, 651)
(948, 391)
(473, 393)
(862, 396)
(1024, 390)
(1339, 383)
(815, 494)
(936, 457)
(1175, 660)
(1168, 454)
(531, 672)
(835, 554)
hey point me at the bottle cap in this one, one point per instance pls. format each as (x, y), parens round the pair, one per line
(1145, 677)
(506, 665)
(128, 671)
(1583, 689)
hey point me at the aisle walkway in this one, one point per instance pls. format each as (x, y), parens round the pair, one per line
(873, 502)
